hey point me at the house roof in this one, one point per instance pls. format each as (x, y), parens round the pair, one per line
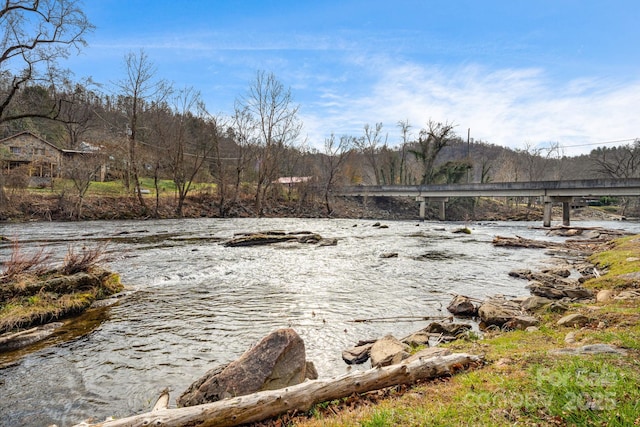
(293, 179)
(90, 148)
(2, 141)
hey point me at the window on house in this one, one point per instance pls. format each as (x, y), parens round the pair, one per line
(15, 150)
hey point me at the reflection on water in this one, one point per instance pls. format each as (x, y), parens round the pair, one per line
(198, 304)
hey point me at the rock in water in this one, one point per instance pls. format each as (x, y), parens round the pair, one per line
(277, 361)
(462, 306)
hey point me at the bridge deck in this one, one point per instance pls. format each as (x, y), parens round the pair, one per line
(576, 188)
(551, 191)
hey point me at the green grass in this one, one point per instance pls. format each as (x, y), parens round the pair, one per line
(116, 188)
(616, 261)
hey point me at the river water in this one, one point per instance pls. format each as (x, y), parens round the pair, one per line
(198, 304)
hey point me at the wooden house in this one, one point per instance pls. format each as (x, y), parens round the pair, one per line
(41, 158)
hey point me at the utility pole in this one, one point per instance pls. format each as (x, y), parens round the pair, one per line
(468, 151)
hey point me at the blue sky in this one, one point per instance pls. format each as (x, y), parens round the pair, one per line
(516, 73)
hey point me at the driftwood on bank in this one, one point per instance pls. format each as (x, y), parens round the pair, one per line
(301, 397)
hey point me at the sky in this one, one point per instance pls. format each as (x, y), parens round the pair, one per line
(513, 73)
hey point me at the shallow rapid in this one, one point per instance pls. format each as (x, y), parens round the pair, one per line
(198, 304)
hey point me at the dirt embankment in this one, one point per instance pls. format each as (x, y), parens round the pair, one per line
(55, 208)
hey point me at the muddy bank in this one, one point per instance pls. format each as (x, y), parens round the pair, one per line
(53, 208)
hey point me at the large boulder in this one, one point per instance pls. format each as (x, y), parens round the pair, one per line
(277, 361)
(388, 351)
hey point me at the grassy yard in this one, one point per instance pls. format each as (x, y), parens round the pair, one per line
(166, 187)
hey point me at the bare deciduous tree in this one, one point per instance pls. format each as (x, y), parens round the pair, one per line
(81, 170)
(618, 162)
(404, 167)
(370, 144)
(333, 159)
(34, 35)
(195, 137)
(278, 127)
(430, 142)
(138, 86)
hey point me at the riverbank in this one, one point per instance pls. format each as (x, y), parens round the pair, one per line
(50, 207)
(547, 376)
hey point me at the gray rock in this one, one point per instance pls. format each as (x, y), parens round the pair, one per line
(417, 339)
(388, 351)
(462, 306)
(356, 355)
(556, 271)
(277, 361)
(626, 295)
(389, 255)
(16, 340)
(498, 311)
(521, 323)
(559, 290)
(591, 349)
(452, 329)
(534, 303)
(604, 295)
(573, 320)
(521, 273)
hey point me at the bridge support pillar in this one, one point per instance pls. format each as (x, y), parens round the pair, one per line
(442, 214)
(548, 206)
(566, 210)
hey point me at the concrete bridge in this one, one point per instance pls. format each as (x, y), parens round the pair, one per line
(549, 191)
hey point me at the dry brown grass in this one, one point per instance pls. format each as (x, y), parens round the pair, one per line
(87, 258)
(20, 264)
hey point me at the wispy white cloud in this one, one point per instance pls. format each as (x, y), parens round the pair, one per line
(509, 107)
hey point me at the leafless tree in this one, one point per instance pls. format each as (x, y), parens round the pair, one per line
(336, 154)
(77, 111)
(278, 127)
(618, 162)
(195, 137)
(370, 144)
(539, 161)
(34, 35)
(82, 170)
(431, 141)
(243, 134)
(138, 86)
(404, 166)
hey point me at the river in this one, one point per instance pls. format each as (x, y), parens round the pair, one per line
(198, 304)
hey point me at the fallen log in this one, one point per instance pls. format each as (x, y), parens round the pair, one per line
(301, 397)
(400, 319)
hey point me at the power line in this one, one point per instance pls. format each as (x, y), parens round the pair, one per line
(599, 143)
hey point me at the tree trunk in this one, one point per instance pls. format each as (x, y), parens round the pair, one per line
(301, 397)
